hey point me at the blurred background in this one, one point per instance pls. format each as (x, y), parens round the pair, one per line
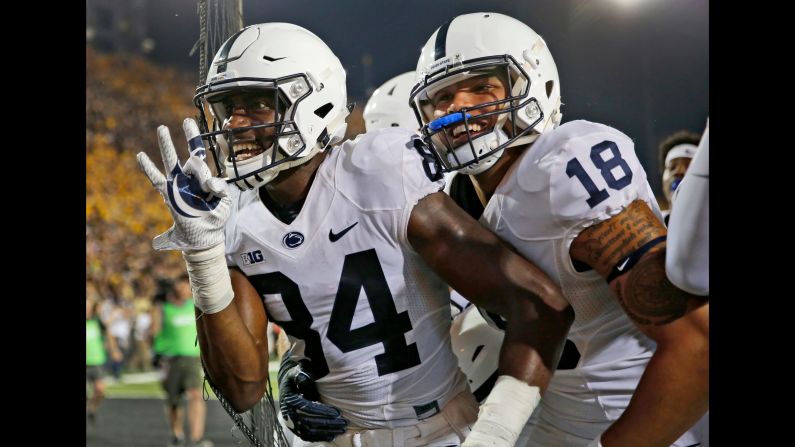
(641, 66)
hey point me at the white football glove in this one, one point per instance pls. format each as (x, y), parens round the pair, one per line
(198, 202)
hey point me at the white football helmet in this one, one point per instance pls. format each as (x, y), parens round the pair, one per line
(480, 44)
(389, 104)
(477, 346)
(292, 77)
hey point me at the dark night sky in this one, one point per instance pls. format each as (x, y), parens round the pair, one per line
(643, 70)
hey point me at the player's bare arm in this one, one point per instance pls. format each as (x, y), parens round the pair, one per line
(674, 390)
(482, 268)
(234, 345)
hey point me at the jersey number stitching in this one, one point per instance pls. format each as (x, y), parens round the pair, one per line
(596, 195)
(359, 270)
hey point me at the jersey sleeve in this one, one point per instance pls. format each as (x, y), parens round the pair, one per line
(385, 171)
(594, 174)
(420, 171)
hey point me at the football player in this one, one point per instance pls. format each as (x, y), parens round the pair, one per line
(572, 198)
(475, 342)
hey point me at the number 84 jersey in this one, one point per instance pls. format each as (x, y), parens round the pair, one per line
(373, 319)
(572, 177)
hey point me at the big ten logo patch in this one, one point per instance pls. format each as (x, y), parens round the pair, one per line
(252, 257)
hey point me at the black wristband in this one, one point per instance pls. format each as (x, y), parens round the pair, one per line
(627, 263)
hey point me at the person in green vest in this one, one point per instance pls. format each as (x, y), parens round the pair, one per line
(97, 342)
(174, 326)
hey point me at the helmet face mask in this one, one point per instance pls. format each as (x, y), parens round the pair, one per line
(246, 153)
(468, 135)
(482, 44)
(275, 96)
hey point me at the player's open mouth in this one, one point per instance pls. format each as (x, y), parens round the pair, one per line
(476, 128)
(247, 149)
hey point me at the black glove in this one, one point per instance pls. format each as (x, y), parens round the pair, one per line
(309, 419)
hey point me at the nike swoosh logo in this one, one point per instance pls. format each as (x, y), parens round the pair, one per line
(620, 268)
(335, 237)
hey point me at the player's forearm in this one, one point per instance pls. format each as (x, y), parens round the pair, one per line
(235, 360)
(538, 316)
(534, 340)
(538, 320)
(672, 395)
(674, 389)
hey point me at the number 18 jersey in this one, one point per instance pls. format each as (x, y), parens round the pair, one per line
(571, 178)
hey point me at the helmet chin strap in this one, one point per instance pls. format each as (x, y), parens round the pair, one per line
(551, 123)
(527, 139)
(556, 118)
(486, 163)
(524, 139)
(336, 127)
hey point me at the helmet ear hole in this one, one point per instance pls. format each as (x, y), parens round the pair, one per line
(477, 351)
(550, 85)
(323, 110)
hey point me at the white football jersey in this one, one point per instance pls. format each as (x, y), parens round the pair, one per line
(570, 179)
(573, 177)
(342, 277)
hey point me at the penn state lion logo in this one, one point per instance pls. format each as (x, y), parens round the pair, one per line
(293, 239)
